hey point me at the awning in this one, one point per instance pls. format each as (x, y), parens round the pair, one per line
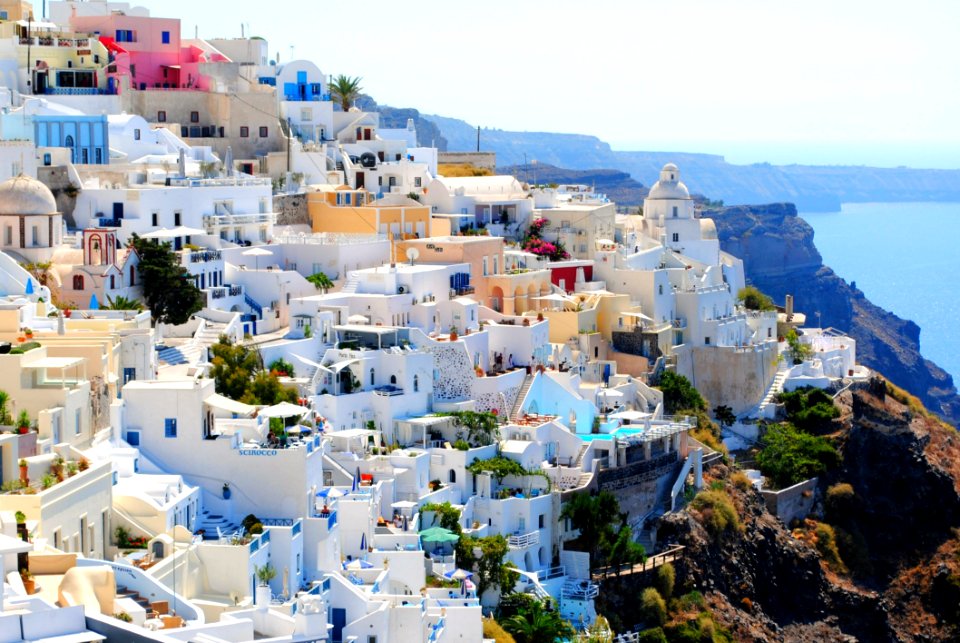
(637, 315)
(339, 366)
(223, 403)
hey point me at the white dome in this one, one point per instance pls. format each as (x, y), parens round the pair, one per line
(25, 195)
(669, 186)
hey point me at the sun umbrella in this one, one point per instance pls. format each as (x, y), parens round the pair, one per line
(609, 393)
(94, 304)
(363, 541)
(438, 535)
(356, 480)
(458, 574)
(554, 297)
(358, 563)
(406, 523)
(330, 492)
(29, 289)
(284, 410)
(257, 252)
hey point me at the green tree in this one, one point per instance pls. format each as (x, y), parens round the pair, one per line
(123, 303)
(809, 409)
(265, 388)
(797, 351)
(233, 366)
(345, 89)
(679, 393)
(167, 286)
(789, 456)
(490, 567)
(624, 550)
(603, 529)
(482, 426)
(725, 415)
(537, 624)
(320, 280)
(753, 299)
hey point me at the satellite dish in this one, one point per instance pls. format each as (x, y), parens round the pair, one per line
(413, 254)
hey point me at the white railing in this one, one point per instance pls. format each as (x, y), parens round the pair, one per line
(524, 540)
(328, 238)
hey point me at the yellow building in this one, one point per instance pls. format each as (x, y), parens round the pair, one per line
(14, 10)
(348, 211)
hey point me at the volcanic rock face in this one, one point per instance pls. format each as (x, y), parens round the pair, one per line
(764, 584)
(780, 258)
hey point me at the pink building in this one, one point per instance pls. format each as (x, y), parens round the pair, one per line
(146, 52)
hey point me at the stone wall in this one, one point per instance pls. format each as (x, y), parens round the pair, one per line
(710, 369)
(56, 178)
(486, 160)
(291, 209)
(792, 503)
(636, 473)
(456, 372)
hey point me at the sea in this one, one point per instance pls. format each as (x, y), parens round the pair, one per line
(905, 257)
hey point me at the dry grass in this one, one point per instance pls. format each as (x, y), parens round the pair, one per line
(462, 169)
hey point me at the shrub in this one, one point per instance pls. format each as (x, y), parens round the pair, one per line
(809, 409)
(753, 299)
(840, 500)
(789, 456)
(679, 393)
(740, 480)
(495, 631)
(653, 608)
(747, 604)
(827, 546)
(716, 511)
(653, 635)
(665, 579)
(461, 445)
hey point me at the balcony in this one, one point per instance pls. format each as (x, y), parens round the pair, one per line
(519, 541)
(213, 221)
(203, 256)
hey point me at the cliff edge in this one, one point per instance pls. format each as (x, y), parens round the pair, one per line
(780, 258)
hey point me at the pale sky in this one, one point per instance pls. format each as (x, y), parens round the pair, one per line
(853, 81)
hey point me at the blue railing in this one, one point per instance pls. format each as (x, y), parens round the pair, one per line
(296, 528)
(253, 305)
(104, 222)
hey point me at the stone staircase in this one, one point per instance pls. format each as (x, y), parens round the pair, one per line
(351, 284)
(765, 409)
(123, 592)
(188, 353)
(580, 454)
(215, 525)
(515, 412)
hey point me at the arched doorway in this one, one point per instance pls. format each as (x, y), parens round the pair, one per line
(496, 299)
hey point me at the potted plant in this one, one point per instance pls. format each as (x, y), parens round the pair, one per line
(56, 468)
(539, 316)
(28, 332)
(29, 584)
(72, 469)
(23, 472)
(21, 518)
(23, 422)
(526, 321)
(226, 491)
(83, 464)
(264, 574)
(453, 334)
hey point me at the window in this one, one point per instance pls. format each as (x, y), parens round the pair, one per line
(34, 235)
(541, 521)
(264, 132)
(676, 237)
(661, 289)
(165, 37)
(170, 428)
(416, 383)
(113, 282)
(154, 217)
(484, 266)
(675, 211)
(706, 340)
(372, 377)
(8, 236)
(133, 438)
(76, 419)
(194, 117)
(78, 282)
(176, 218)
(161, 116)
(417, 181)
(452, 476)
(244, 131)
(136, 134)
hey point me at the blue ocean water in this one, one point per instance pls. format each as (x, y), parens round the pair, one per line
(905, 257)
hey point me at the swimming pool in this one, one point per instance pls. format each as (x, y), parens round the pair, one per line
(622, 432)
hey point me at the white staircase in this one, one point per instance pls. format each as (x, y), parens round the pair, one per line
(188, 353)
(518, 404)
(767, 406)
(583, 451)
(351, 284)
(216, 525)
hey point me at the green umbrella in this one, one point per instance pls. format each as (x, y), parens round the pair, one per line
(438, 535)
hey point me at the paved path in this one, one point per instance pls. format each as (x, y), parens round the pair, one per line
(668, 556)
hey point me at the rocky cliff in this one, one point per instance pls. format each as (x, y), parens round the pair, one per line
(780, 258)
(764, 583)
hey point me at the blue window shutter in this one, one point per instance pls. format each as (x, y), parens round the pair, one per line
(170, 427)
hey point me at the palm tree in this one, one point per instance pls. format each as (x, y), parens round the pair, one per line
(4, 414)
(123, 303)
(346, 90)
(536, 624)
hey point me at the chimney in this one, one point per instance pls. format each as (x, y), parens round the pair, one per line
(789, 306)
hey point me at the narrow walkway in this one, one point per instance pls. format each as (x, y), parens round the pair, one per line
(668, 556)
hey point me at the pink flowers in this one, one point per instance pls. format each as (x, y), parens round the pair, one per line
(534, 244)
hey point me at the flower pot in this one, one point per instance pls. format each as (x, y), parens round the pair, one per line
(29, 585)
(227, 493)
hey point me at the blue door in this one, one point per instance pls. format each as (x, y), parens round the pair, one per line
(338, 618)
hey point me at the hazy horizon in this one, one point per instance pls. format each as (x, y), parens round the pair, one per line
(864, 82)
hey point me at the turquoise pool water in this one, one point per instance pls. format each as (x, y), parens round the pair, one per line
(621, 432)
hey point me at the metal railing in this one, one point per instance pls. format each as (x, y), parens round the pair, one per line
(524, 540)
